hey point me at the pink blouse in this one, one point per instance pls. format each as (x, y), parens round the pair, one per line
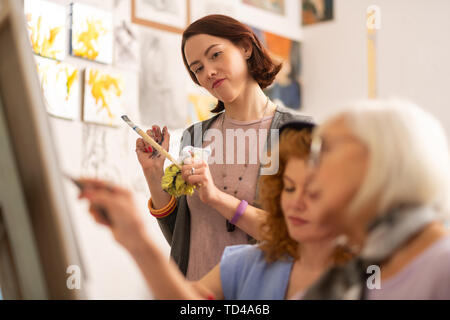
(208, 235)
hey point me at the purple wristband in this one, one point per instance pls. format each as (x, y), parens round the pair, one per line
(239, 211)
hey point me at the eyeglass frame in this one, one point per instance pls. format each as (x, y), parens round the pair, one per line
(316, 152)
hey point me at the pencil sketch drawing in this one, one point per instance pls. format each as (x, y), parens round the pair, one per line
(162, 93)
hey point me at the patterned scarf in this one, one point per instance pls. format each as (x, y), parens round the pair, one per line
(386, 235)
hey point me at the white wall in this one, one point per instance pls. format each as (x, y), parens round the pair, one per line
(413, 56)
(110, 271)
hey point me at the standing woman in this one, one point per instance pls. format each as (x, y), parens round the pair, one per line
(226, 58)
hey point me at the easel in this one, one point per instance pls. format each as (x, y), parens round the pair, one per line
(21, 276)
(37, 239)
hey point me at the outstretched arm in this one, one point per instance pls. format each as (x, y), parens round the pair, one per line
(162, 276)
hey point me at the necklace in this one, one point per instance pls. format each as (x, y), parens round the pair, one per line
(231, 227)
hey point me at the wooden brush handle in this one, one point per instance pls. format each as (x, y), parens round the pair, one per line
(156, 145)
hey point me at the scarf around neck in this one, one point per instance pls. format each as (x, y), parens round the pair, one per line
(386, 234)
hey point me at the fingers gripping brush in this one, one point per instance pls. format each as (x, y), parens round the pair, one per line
(172, 181)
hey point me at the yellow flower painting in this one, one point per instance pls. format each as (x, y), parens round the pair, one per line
(60, 85)
(92, 36)
(103, 93)
(46, 28)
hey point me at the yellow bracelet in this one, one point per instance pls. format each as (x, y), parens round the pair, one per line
(163, 212)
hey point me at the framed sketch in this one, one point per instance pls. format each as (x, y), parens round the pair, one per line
(167, 15)
(274, 6)
(201, 8)
(126, 44)
(281, 17)
(162, 80)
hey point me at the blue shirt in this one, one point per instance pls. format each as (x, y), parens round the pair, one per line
(246, 275)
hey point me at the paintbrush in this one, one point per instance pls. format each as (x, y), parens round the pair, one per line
(81, 186)
(150, 140)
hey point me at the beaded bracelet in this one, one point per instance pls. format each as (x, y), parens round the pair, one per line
(163, 212)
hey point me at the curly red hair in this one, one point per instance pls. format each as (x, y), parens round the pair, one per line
(275, 239)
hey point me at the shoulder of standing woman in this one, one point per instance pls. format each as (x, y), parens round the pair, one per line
(284, 115)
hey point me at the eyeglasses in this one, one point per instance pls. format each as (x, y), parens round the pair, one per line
(319, 146)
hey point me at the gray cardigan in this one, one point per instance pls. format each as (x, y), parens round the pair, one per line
(176, 227)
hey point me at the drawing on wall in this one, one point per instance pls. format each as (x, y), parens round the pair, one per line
(91, 33)
(201, 8)
(103, 97)
(162, 80)
(60, 86)
(126, 46)
(108, 153)
(168, 15)
(314, 11)
(274, 6)
(199, 107)
(46, 28)
(103, 151)
(286, 89)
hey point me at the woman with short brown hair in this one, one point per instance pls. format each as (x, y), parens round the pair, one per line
(226, 58)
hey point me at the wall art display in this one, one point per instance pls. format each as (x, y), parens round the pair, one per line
(314, 11)
(162, 80)
(274, 6)
(46, 23)
(286, 89)
(91, 33)
(103, 97)
(60, 85)
(168, 15)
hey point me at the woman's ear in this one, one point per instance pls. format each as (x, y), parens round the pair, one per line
(246, 48)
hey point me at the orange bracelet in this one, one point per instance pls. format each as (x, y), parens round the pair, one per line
(163, 212)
